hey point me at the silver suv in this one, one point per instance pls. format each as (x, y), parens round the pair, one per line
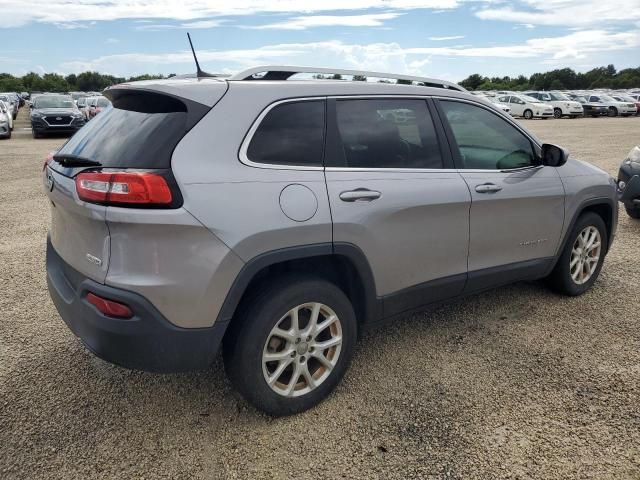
(280, 218)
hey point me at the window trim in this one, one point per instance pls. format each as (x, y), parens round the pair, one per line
(452, 141)
(333, 136)
(244, 146)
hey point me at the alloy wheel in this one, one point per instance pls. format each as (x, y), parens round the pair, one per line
(585, 255)
(302, 349)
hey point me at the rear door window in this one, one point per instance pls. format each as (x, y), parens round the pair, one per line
(290, 134)
(387, 133)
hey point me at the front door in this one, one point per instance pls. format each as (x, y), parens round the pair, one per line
(391, 196)
(517, 205)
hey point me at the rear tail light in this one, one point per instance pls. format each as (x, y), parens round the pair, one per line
(109, 307)
(119, 188)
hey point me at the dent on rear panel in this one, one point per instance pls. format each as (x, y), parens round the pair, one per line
(168, 257)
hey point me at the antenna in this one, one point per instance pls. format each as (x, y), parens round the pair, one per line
(199, 72)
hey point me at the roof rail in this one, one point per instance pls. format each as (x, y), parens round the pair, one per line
(284, 72)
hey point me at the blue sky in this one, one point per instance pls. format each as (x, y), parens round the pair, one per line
(439, 38)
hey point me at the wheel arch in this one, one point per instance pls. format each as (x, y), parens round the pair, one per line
(343, 264)
(603, 207)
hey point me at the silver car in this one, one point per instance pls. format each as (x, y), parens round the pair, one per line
(280, 218)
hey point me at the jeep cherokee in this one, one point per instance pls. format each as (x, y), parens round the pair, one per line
(279, 217)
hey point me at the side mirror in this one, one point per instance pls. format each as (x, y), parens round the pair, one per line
(553, 155)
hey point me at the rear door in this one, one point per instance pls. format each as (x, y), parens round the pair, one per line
(517, 208)
(78, 230)
(394, 195)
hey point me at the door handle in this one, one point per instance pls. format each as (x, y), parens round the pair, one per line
(488, 188)
(359, 195)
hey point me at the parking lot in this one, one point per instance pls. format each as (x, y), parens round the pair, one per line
(513, 383)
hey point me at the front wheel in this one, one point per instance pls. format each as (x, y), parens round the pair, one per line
(528, 114)
(633, 212)
(613, 112)
(291, 344)
(581, 260)
(557, 113)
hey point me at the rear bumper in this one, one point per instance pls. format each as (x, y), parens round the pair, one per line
(145, 342)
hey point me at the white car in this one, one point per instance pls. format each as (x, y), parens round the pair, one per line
(7, 110)
(502, 106)
(5, 121)
(527, 107)
(616, 107)
(563, 106)
(10, 100)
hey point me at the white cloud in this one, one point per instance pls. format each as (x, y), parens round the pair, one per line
(20, 12)
(443, 39)
(199, 24)
(111, 40)
(564, 12)
(389, 57)
(302, 23)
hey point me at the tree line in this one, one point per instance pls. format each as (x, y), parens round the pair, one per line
(561, 79)
(52, 82)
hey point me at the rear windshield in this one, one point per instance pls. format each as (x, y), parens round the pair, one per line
(141, 131)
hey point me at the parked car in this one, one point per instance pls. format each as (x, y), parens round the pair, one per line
(7, 110)
(81, 102)
(629, 183)
(527, 107)
(591, 109)
(90, 107)
(622, 97)
(10, 100)
(86, 107)
(5, 121)
(563, 106)
(502, 106)
(280, 219)
(55, 114)
(98, 105)
(614, 107)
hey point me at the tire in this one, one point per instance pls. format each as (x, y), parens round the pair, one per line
(612, 112)
(561, 279)
(253, 333)
(528, 114)
(35, 134)
(557, 113)
(633, 212)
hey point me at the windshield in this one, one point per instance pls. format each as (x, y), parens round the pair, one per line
(625, 98)
(560, 96)
(607, 98)
(53, 102)
(580, 99)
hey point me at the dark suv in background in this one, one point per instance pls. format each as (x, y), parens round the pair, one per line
(55, 114)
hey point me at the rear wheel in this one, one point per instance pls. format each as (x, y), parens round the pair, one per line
(528, 114)
(291, 344)
(581, 260)
(557, 113)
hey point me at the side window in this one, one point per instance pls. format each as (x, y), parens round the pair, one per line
(290, 134)
(485, 141)
(503, 99)
(387, 133)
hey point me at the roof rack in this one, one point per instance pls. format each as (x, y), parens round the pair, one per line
(284, 72)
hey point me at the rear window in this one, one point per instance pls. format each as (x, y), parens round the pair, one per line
(141, 131)
(290, 134)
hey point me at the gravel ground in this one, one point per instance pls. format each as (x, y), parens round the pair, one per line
(513, 383)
